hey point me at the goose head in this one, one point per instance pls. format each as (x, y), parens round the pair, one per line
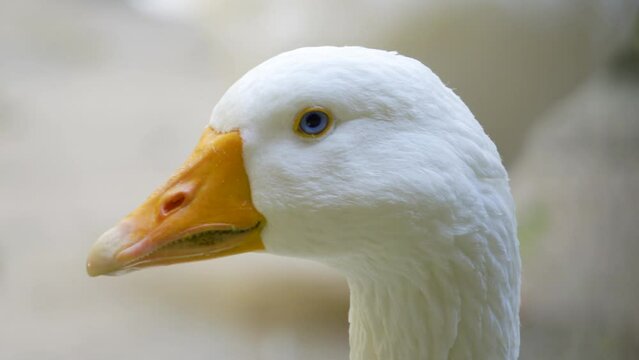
(363, 160)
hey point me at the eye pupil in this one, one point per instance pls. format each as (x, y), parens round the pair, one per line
(313, 122)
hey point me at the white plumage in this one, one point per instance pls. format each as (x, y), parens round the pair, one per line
(406, 196)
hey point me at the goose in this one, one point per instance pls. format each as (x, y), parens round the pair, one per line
(362, 160)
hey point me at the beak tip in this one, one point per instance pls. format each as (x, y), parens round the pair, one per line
(93, 270)
(97, 265)
(102, 256)
(90, 272)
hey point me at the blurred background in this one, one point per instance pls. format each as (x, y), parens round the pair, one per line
(101, 100)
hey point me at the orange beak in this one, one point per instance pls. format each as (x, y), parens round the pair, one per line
(204, 211)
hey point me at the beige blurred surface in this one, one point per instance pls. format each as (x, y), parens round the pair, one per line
(99, 102)
(577, 189)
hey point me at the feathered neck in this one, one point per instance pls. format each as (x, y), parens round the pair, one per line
(457, 300)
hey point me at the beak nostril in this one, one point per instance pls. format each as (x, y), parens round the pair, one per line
(174, 202)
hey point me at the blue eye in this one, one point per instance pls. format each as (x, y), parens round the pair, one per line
(313, 123)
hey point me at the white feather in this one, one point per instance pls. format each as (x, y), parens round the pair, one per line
(407, 197)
